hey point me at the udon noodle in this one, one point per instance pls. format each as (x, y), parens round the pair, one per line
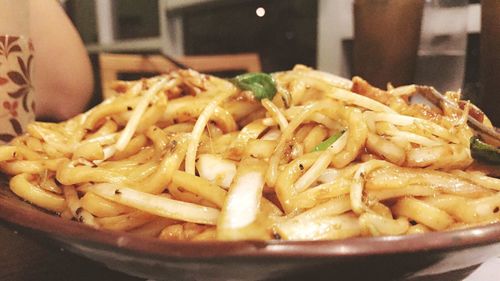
(188, 156)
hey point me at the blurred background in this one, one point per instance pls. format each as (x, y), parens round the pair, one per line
(317, 33)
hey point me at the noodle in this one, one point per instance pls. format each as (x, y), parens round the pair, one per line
(187, 156)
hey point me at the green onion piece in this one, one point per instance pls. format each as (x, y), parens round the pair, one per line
(329, 141)
(484, 151)
(262, 85)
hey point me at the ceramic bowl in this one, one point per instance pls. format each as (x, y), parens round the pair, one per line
(435, 256)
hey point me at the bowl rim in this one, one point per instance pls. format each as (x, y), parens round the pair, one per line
(20, 213)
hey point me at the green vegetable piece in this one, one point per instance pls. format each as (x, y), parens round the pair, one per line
(329, 141)
(262, 85)
(484, 151)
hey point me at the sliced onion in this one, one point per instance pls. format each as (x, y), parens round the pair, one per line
(157, 205)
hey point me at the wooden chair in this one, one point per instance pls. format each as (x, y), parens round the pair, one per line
(113, 64)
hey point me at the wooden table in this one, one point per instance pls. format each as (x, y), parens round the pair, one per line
(26, 257)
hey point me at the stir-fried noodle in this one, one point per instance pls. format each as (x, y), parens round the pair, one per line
(187, 156)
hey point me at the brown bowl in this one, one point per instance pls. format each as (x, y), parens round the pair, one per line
(435, 256)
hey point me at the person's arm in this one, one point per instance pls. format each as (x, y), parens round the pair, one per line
(63, 78)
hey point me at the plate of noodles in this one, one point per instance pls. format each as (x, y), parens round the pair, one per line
(263, 176)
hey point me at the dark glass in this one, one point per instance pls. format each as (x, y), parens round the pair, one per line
(387, 34)
(490, 59)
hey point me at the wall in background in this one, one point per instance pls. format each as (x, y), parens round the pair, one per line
(318, 34)
(136, 19)
(282, 32)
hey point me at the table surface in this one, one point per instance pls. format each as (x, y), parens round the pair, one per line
(25, 258)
